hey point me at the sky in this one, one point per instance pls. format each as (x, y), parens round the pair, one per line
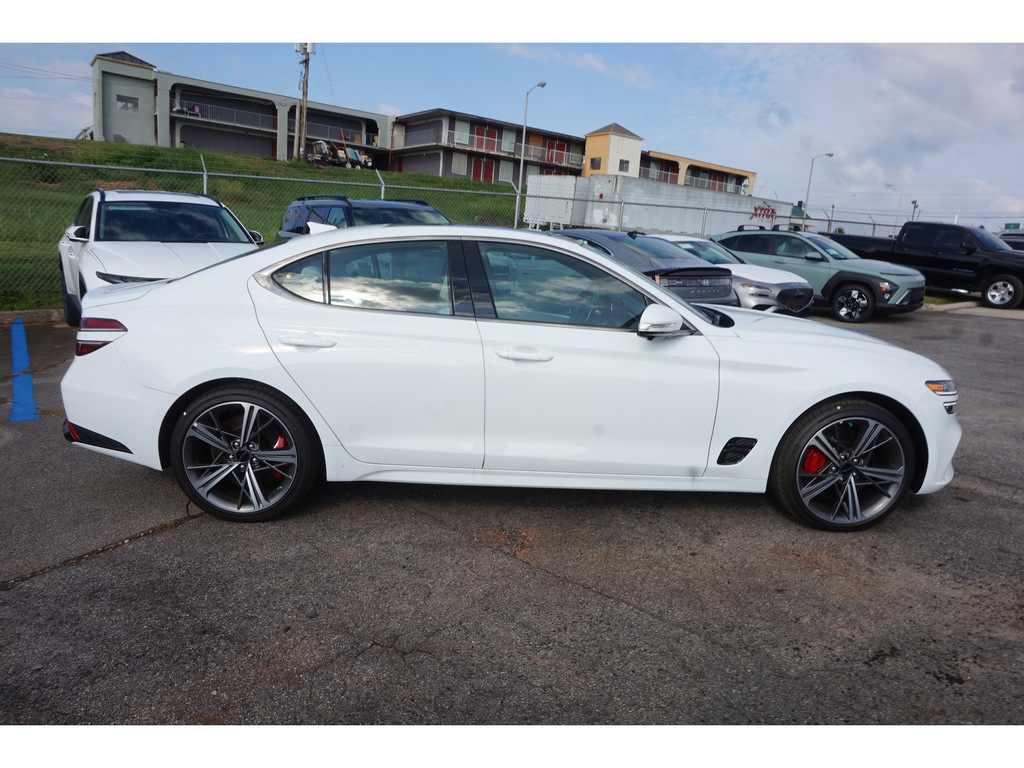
(934, 116)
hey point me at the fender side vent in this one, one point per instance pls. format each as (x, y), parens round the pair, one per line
(736, 450)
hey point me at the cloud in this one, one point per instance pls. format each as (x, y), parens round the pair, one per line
(634, 75)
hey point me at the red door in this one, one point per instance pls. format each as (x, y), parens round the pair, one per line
(483, 169)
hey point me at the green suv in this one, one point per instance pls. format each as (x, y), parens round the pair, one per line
(855, 288)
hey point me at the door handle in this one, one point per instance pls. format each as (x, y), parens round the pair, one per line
(308, 340)
(526, 354)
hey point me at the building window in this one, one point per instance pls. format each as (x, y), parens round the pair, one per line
(127, 103)
(623, 166)
(595, 163)
(459, 164)
(505, 171)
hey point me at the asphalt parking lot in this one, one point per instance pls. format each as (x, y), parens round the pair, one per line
(408, 604)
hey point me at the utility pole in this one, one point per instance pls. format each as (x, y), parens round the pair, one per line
(299, 149)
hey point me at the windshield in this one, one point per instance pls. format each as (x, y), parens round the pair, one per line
(367, 216)
(832, 248)
(653, 248)
(712, 253)
(990, 242)
(168, 222)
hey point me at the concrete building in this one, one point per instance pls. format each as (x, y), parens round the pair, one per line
(135, 103)
(616, 151)
(456, 144)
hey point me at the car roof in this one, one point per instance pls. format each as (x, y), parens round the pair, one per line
(154, 196)
(308, 200)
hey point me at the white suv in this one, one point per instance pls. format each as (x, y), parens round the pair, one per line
(136, 236)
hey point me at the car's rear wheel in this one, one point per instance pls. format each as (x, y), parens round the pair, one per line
(853, 303)
(241, 453)
(843, 466)
(1002, 292)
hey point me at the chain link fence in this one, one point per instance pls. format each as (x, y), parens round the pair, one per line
(40, 199)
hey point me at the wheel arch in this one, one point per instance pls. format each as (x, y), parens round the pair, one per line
(179, 406)
(897, 409)
(842, 277)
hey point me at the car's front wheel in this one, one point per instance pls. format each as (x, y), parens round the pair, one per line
(242, 453)
(853, 303)
(1002, 292)
(843, 466)
(72, 304)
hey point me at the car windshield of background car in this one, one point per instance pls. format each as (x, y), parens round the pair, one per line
(164, 222)
(368, 216)
(709, 252)
(832, 248)
(655, 248)
(990, 242)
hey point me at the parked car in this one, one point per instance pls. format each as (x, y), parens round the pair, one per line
(121, 236)
(685, 275)
(855, 289)
(1013, 238)
(415, 354)
(762, 288)
(314, 213)
(951, 256)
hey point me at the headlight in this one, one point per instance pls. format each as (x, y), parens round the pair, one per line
(757, 289)
(945, 388)
(888, 289)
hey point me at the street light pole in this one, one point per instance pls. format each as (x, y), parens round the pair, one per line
(807, 197)
(522, 152)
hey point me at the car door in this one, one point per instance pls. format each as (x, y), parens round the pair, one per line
(571, 387)
(72, 244)
(793, 254)
(952, 257)
(384, 347)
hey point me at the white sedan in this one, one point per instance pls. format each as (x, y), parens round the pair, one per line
(484, 356)
(121, 236)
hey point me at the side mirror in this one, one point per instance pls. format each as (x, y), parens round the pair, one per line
(658, 321)
(969, 245)
(76, 234)
(814, 257)
(256, 236)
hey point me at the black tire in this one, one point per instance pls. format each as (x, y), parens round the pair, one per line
(244, 454)
(1002, 291)
(72, 308)
(853, 303)
(843, 466)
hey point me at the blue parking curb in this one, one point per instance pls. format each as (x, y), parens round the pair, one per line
(23, 405)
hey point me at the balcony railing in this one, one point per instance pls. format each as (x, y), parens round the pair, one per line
(257, 120)
(227, 115)
(714, 186)
(469, 141)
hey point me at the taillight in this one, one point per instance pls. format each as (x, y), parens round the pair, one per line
(100, 324)
(94, 324)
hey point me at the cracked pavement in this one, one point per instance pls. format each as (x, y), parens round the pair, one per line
(410, 604)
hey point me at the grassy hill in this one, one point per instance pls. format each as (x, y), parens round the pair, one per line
(43, 182)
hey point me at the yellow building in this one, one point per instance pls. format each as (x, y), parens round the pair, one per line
(616, 151)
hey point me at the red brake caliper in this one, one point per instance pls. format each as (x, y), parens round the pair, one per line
(814, 461)
(282, 442)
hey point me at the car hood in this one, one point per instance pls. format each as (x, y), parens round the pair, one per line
(884, 268)
(160, 260)
(763, 274)
(768, 329)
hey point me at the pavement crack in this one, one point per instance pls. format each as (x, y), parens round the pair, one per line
(10, 584)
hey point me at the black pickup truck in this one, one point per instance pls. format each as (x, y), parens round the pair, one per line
(951, 256)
